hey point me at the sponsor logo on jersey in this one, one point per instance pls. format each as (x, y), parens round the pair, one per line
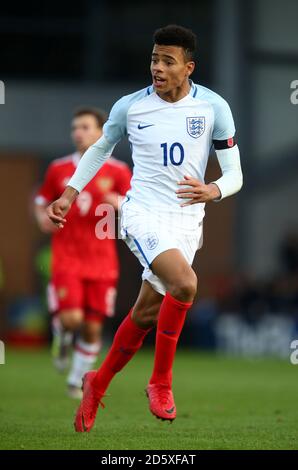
(140, 126)
(195, 126)
(151, 241)
(105, 184)
(62, 293)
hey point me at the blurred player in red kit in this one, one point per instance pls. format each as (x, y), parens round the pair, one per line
(84, 268)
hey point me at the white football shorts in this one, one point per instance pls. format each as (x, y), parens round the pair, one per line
(150, 233)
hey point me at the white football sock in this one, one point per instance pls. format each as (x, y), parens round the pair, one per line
(61, 338)
(84, 357)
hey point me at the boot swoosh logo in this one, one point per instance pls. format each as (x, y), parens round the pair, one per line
(146, 125)
(170, 410)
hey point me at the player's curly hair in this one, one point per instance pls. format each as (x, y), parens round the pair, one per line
(175, 35)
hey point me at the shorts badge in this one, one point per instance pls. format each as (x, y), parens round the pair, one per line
(151, 241)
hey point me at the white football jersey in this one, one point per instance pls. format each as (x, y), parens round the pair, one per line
(168, 141)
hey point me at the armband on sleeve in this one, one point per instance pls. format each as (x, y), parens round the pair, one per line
(224, 144)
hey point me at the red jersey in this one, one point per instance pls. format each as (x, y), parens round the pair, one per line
(76, 247)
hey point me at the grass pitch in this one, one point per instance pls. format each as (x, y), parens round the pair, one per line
(222, 403)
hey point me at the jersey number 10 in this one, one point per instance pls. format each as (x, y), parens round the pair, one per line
(176, 157)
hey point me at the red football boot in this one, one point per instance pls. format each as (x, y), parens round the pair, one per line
(87, 410)
(161, 401)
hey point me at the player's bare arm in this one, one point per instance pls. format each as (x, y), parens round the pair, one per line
(196, 191)
(59, 208)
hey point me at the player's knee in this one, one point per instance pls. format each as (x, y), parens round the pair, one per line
(71, 320)
(185, 288)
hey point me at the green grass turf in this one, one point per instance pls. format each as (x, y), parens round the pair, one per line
(223, 403)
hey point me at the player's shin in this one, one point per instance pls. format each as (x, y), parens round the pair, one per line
(170, 323)
(127, 341)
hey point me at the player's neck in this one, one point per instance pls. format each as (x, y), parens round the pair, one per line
(177, 93)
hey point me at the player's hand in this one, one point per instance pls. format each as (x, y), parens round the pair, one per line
(59, 208)
(45, 224)
(196, 191)
(57, 211)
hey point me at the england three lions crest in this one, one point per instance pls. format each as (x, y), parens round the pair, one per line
(195, 126)
(151, 240)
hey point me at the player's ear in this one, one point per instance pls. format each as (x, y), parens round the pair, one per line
(190, 67)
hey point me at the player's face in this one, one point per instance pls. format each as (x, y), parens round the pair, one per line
(170, 69)
(85, 131)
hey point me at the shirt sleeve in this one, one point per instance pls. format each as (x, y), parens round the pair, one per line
(47, 192)
(232, 179)
(224, 127)
(115, 127)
